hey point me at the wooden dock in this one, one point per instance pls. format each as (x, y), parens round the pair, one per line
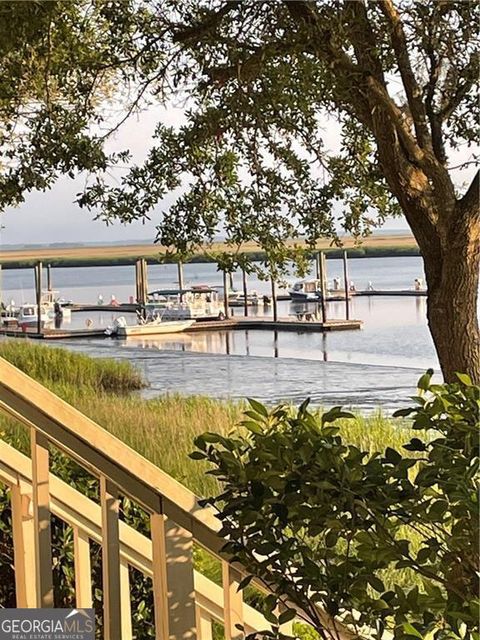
(232, 324)
(282, 324)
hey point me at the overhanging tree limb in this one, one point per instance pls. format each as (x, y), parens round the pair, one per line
(412, 89)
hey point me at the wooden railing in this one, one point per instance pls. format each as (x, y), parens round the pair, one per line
(185, 602)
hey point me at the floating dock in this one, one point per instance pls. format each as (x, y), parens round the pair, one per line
(231, 324)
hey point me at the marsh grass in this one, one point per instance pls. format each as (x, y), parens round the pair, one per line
(58, 367)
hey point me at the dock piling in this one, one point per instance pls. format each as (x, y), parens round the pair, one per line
(49, 277)
(141, 284)
(318, 265)
(226, 292)
(347, 293)
(245, 293)
(144, 286)
(38, 295)
(321, 275)
(180, 274)
(274, 299)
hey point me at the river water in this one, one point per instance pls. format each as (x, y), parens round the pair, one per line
(378, 365)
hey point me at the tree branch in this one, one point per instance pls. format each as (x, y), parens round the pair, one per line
(471, 73)
(430, 87)
(415, 153)
(201, 29)
(469, 204)
(412, 89)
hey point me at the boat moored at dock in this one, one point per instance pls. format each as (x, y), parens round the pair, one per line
(152, 326)
(304, 290)
(195, 303)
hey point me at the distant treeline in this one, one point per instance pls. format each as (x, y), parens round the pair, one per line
(255, 256)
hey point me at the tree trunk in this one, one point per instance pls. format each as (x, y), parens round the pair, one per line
(452, 311)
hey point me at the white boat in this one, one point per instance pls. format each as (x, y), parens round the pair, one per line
(27, 315)
(236, 298)
(153, 326)
(306, 290)
(54, 305)
(196, 303)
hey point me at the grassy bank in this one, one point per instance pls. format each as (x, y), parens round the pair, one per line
(255, 256)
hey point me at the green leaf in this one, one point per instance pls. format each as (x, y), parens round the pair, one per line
(402, 413)
(244, 582)
(197, 455)
(331, 538)
(392, 456)
(252, 426)
(415, 444)
(376, 583)
(411, 631)
(258, 407)
(424, 381)
(286, 616)
(465, 379)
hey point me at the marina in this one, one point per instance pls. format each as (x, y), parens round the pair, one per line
(243, 355)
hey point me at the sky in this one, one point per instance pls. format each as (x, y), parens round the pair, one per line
(52, 216)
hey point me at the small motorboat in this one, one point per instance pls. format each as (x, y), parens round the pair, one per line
(152, 326)
(306, 290)
(236, 298)
(27, 315)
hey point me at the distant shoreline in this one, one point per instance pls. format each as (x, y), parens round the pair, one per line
(118, 255)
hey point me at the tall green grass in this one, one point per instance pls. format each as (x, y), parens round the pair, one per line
(54, 366)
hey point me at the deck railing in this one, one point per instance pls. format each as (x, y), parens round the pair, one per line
(185, 602)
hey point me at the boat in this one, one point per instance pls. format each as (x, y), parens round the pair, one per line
(236, 298)
(306, 290)
(56, 307)
(152, 326)
(195, 303)
(27, 315)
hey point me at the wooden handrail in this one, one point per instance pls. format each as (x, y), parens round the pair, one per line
(176, 517)
(103, 454)
(84, 516)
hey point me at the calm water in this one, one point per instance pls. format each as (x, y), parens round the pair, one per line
(377, 365)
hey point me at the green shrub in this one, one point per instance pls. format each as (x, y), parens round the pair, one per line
(323, 522)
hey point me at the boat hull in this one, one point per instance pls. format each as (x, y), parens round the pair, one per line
(174, 326)
(300, 296)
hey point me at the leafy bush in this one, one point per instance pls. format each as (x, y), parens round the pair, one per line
(328, 526)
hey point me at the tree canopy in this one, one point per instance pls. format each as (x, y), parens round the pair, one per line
(263, 86)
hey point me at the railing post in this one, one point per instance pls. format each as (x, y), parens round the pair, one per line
(181, 590)
(109, 502)
(23, 533)
(41, 519)
(83, 571)
(160, 590)
(233, 602)
(126, 605)
(204, 625)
